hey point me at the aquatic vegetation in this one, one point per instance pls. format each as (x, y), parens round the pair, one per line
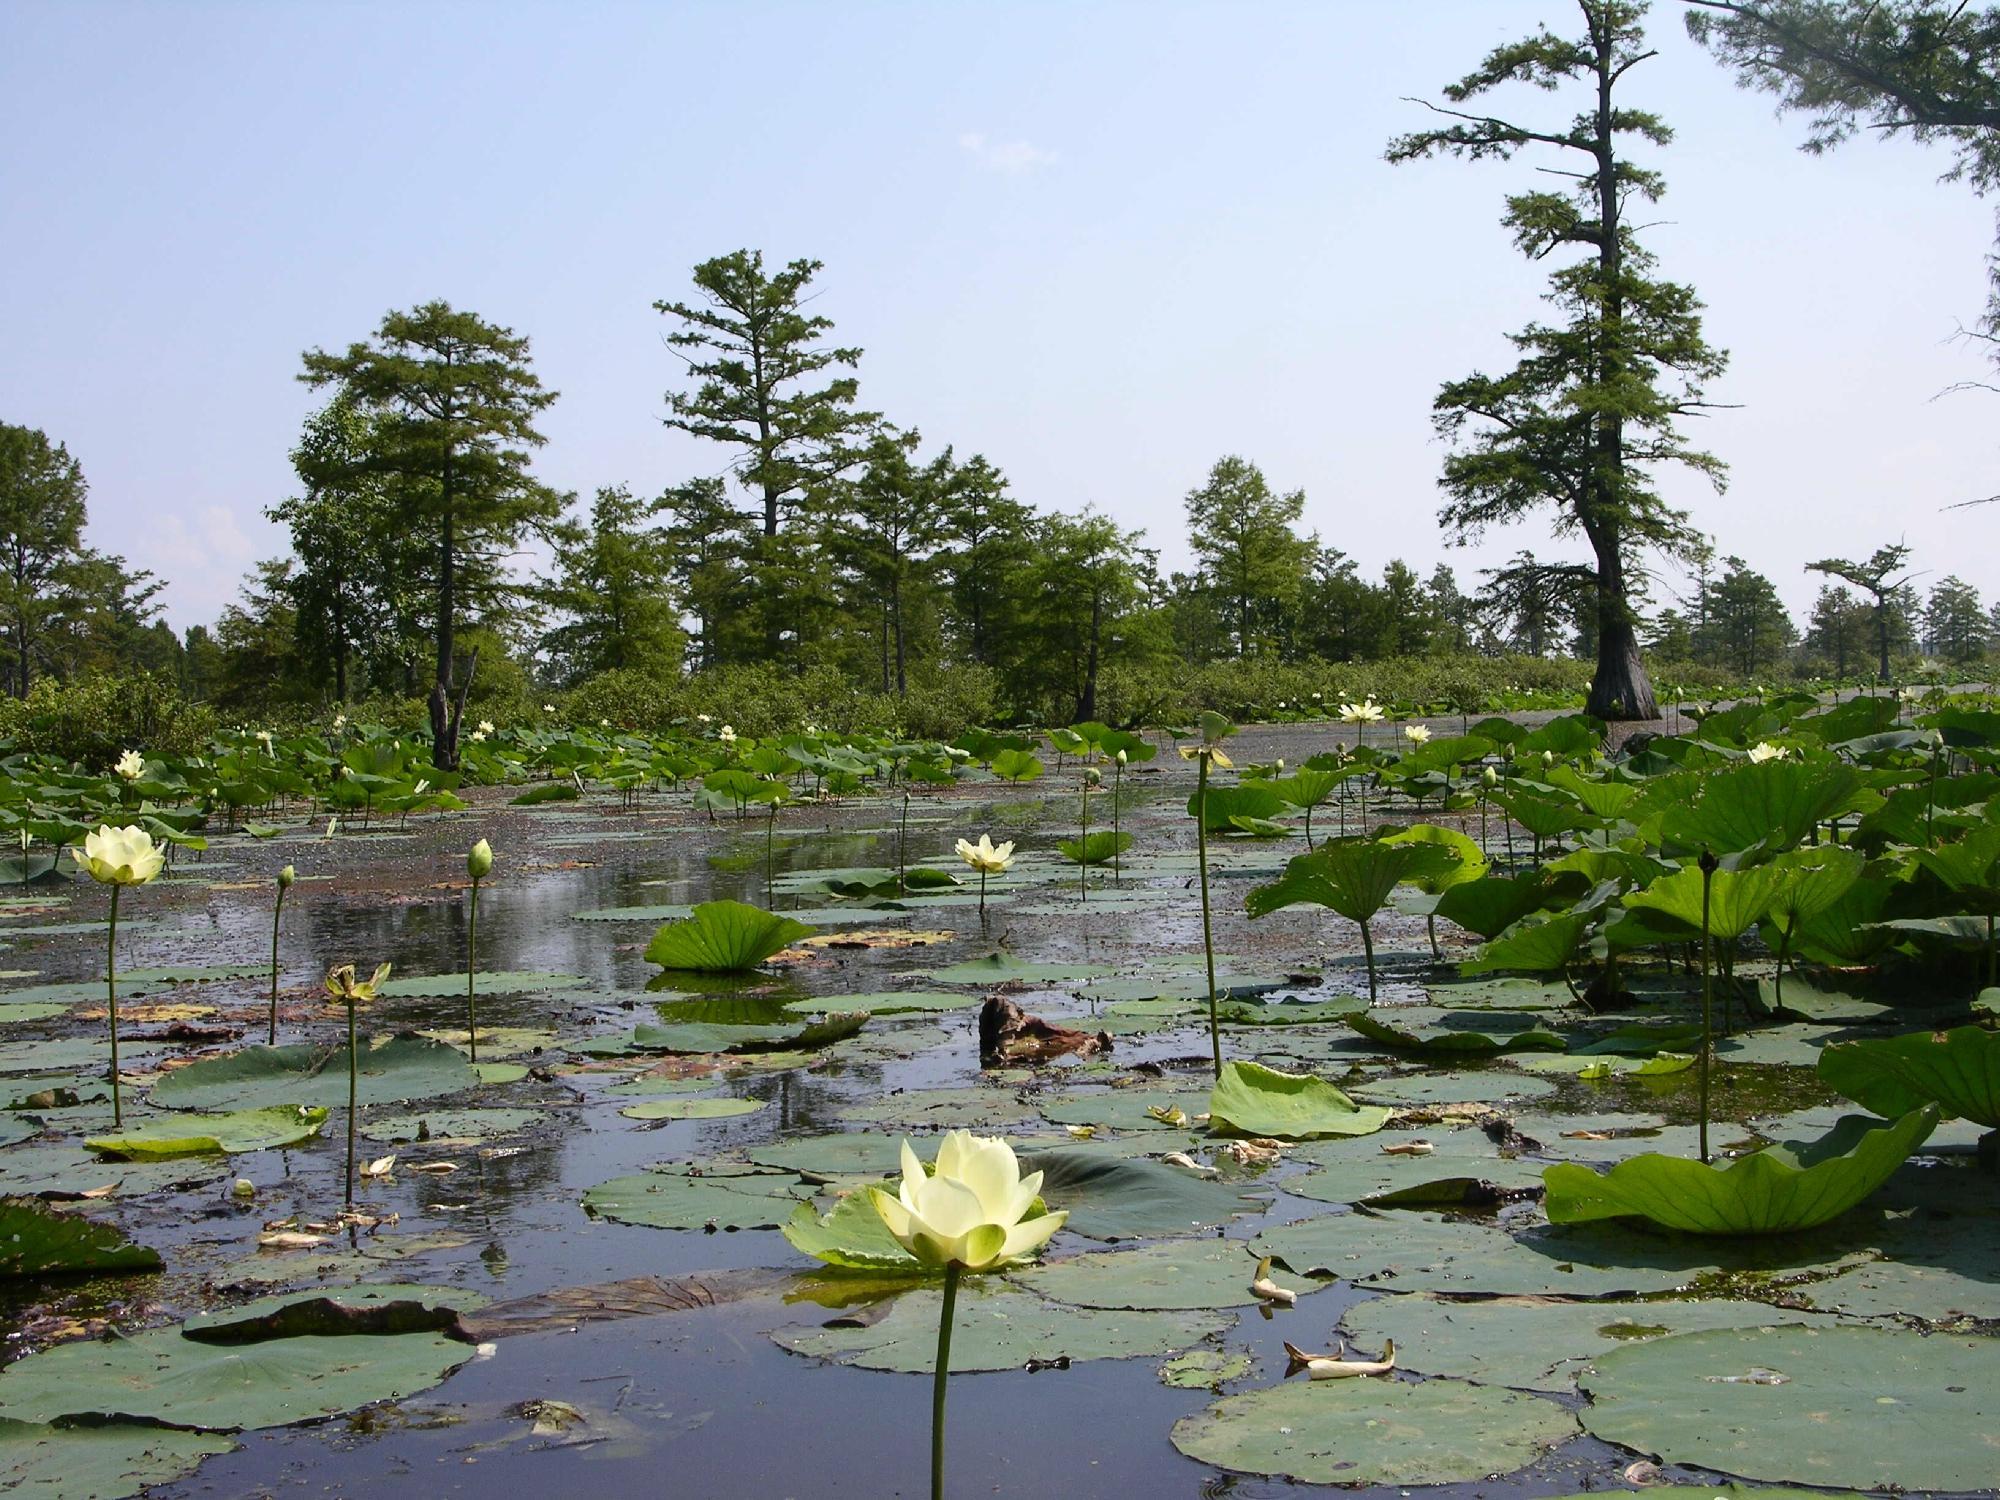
(1207, 756)
(286, 878)
(478, 865)
(352, 993)
(722, 937)
(1958, 1070)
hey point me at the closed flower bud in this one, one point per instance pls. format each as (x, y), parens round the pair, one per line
(286, 876)
(479, 863)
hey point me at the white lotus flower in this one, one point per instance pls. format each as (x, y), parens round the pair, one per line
(726, 734)
(973, 1213)
(985, 856)
(1416, 734)
(486, 728)
(120, 856)
(131, 765)
(1764, 750)
(1367, 711)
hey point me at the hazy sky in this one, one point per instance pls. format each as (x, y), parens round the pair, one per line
(1103, 244)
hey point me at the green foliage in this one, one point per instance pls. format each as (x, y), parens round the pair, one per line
(722, 937)
(1958, 1070)
(94, 719)
(1791, 1186)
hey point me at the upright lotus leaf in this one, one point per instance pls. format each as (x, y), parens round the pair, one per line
(1250, 1099)
(1969, 867)
(1958, 1070)
(723, 937)
(37, 1240)
(851, 1236)
(1570, 736)
(1790, 1186)
(1095, 849)
(1603, 799)
(1536, 948)
(237, 1131)
(1353, 877)
(1543, 815)
(1247, 799)
(1467, 862)
(1307, 787)
(1773, 805)
(405, 1067)
(1489, 905)
(1737, 902)
(1017, 766)
(1846, 933)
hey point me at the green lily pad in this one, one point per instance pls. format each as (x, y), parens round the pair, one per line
(37, 1240)
(997, 1328)
(1365, 1172)
(1460, 1086)
(40, 1462)
(1004, 968)
(1452, 1043)
(1958, 1069)
(402, 1068)
(1534, 1343)
(691, 1109)
(1249, 1099)
(1123, 1109)
(498, 982)
(674, 1197)
(884, 1003)
(68, 1167)
(163, 1377)
(852, 1236)
(499, 1072)
(1368, 1432)
(1188, 1275)
(1118, 1198)
(238, 1131)
(1791, 1186)
(1862, 1408)
(1204, 1370)
(450, 1124)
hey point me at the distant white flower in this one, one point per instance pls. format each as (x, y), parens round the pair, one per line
(1367, 711)
(726, 734)
(1416, 734)
(985, 856)
(340, 721)
(1764, 750)
(478, 736)
(131, 765)
(703, 719)
(264, 737)
(548, 708)
(485, 727)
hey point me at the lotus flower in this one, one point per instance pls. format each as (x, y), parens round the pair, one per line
(726, 734)
(973, 1214)
(1367, 711)
(1764, 750)
(985, 856)
(1416, 734)
(486, 727)
(120, 856)
(131, 765)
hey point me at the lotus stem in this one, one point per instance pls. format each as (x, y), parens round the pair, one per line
(1708, 863)
(1368, 953)
(1083, 865)
(902, 843)
(353, 1090)
(1207, 929)
(1117, 786)
(771, 833)
(271, 1037)
(940, 1376)
(982, 896)
(471, 976)
(111, 1007)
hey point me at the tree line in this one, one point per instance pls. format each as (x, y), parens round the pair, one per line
(825, 535)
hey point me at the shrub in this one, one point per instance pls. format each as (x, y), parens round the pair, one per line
(94, 720)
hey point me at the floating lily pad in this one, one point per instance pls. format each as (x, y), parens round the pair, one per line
(1117, 1198)
(1862, 1408)
(238, 1131)
(1365, 1171)
(163, 1377)
(1369, 1432)
(450, 1125)
(39, 1462)
(1125, 1109)
(1249, 1099)
(1004, 968)
(1461, 1086)
(1188, 1275)
(1452, 1043)
(691, 1109)
(37, 1240)
(997, 1328)
(674, 1197)
(402, 1068)
(884, 1003)
(1204, 1370)
(1535, 1343)
(498, 982)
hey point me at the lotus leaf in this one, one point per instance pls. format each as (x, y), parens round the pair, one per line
(237, 1131)
(1854, 1407)
(1959, 1070)
(1250, 1099)
(723, 937)
(999, 1328)
(1375, 1432)
(119, 1459)
(37, 1240)
(1790, 1186)
(402, 1068)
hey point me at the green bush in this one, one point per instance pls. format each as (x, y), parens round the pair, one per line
(91, 722)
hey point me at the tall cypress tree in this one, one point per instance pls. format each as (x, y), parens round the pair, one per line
(1592, 406)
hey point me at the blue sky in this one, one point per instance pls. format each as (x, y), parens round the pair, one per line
(1103, 244)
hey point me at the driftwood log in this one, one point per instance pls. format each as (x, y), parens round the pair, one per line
(1009, 1034)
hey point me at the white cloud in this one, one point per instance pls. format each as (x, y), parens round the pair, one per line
(202, 557)
(1014, 158)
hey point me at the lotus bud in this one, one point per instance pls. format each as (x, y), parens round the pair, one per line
(1490, 776)
(287, 876)
(479, 863)
(1093, 777)
(243, 1187)
(1278, 766)
(1123, 759)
